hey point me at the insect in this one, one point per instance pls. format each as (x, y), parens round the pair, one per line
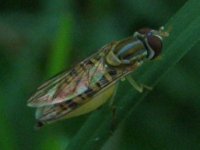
(91, 82)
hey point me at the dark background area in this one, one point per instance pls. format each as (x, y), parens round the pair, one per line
(39, 38)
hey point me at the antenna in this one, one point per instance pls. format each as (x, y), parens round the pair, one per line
(163, 32)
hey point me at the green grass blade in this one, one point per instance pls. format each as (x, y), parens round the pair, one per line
(184, 35)
(6, 131)
(61, 47)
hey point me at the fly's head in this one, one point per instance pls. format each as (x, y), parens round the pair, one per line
(146, 43)
(152, 40)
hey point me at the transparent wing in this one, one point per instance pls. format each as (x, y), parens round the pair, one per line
(72, 83)
(68, 84)
(58, 111)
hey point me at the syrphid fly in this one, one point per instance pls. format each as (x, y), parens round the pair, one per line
(91, 82)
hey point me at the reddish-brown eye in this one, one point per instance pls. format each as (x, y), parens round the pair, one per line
(156, 44)
(153, 41)
(144, 30)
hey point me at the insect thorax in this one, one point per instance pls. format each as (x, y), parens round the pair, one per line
(127, 52)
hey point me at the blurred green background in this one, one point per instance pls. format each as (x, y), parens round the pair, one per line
(39, 38)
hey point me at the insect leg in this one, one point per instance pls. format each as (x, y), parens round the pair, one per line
(112, 127)
(113, 95)
(113, 108)
(140, 87)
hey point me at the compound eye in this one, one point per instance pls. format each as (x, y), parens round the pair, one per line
(145, 31)
(153, 41)
(156, 45)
